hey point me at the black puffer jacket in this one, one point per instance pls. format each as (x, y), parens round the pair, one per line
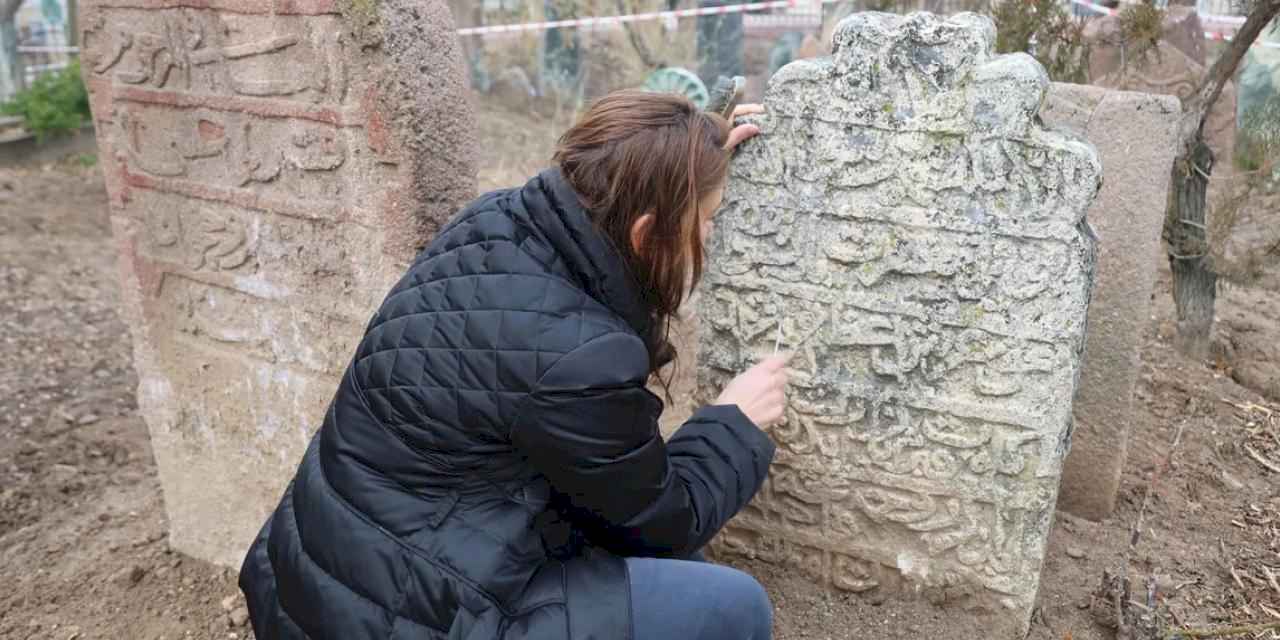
(492, 449)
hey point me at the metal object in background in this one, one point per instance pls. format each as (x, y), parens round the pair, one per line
(726, 95)
(678, 81)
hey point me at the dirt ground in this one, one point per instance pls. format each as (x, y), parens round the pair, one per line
(83, 549)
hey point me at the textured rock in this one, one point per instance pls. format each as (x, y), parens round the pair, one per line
(918, 238)
(1175, 73)
(272, 165)
(1134, 134)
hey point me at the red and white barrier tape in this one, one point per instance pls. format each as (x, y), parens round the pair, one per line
(1204, 15)
(1214, 17)
(1209, 35)
(782, 21)
(1097, 7)
(607, 21)
(42, 49)
(794, 20)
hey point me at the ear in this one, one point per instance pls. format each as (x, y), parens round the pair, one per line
(640, 232)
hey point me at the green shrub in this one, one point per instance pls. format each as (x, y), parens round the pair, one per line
(1141, 30)
(55, 103)
(1044, 29)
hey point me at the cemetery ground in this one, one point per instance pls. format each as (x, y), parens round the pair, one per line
(83, 547)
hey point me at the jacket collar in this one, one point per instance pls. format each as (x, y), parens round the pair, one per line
(555, 209)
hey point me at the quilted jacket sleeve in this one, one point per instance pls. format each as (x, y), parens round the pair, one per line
(590, 428)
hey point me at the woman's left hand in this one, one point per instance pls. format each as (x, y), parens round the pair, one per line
(743, 132)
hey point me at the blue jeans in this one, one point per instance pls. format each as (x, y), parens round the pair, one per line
(694, 600)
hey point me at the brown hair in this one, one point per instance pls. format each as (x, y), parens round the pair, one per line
(636, 152)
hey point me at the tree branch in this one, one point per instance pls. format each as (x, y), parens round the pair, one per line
(1221, 631)
(1197, 105)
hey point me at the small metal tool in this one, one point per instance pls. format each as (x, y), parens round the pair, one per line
(777, 343)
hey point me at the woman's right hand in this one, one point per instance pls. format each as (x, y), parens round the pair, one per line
(760, 392)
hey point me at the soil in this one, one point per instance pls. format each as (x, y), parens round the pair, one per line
(83, 550)
(84, 553)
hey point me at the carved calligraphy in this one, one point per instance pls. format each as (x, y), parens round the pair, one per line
(209, 52)
(264, 198)
(918, 240)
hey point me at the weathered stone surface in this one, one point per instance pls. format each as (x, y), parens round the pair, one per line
(1175, 73)
(1134, 134)
(272, 165)
(918, 238)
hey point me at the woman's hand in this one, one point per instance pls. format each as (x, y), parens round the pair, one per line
(760, 392)
(743, 132)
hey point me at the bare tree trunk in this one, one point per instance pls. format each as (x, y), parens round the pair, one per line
(1185, 223)
(1195, 285)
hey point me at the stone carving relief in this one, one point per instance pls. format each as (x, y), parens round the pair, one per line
(193, 50)
(272, 166)
(917, 238)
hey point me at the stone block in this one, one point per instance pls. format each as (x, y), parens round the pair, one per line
(1175, 73)
(917, 237)
(272, 166)
(1135, 135)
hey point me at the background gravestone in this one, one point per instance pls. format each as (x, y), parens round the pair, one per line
(561, 48)
(1181, 29)
(918, 239)
(272, 166)
(1259, 77)
(1134, 134)
(1174, 69)
(719, 43)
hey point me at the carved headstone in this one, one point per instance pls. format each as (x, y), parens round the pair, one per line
(720, 43)
(1135, 135)
(1259, 75)
(917, 238)
(1182, 30)
(561, 48)
(272, 166)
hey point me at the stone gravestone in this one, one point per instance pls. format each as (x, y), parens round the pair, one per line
(913, 233)
(561, 48)
(272, 166)
(720, 43)
(1135, 135)
(1259, 77)
(1181, 29)
(1175, 69)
